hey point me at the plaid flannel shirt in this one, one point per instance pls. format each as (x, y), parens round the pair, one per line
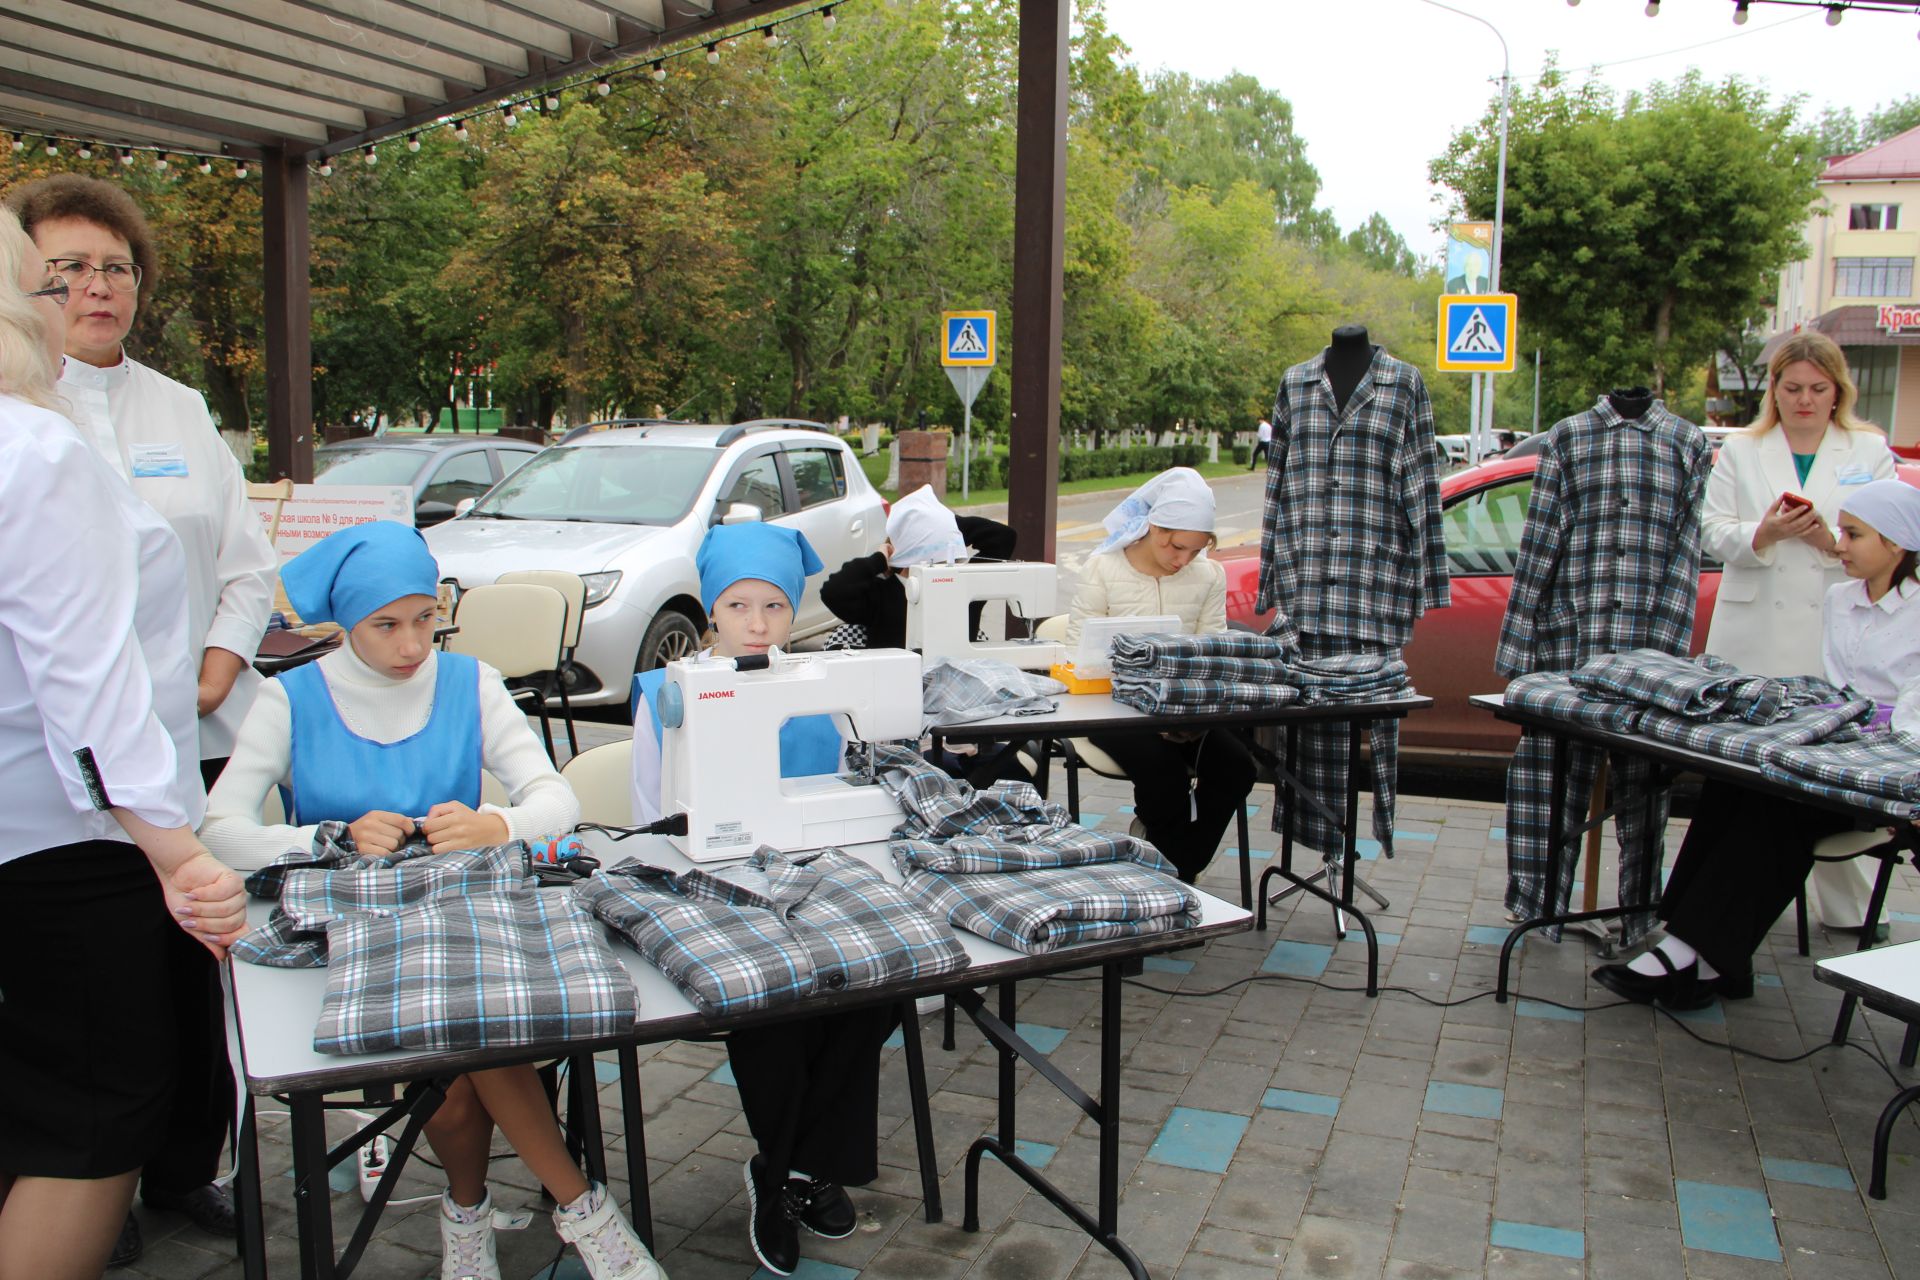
(1351, 545)
(462, 970)
(1035, 912)
(1755, 744)
(1878, 771)
(1702, 688)
(1157, 696)
(311, 888)
(1553, 693)
(982, 688)
(773, 930)
(1610, 559)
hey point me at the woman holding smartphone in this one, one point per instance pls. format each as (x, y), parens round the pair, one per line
(1771, 508)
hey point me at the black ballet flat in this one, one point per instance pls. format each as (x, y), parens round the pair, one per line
(1680, 990)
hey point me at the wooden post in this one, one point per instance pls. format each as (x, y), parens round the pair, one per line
(286, 244)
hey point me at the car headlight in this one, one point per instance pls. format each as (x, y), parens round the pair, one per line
(600, 585)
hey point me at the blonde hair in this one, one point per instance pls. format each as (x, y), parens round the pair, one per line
(25, 371)
(1820, 351)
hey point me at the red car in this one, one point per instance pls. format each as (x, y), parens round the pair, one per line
(1484, 511)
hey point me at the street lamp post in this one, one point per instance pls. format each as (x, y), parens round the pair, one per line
(1483, 431)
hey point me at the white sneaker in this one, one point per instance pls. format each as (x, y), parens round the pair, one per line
(466, 1248)
(607, 1244)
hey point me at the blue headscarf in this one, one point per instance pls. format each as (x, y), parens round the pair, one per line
(347, 575)
(770, 552)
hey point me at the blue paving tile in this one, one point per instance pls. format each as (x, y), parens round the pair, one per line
(1298, 959)
(1537, 1009)
(1905, 917)
(811, 1269)
(344, 1176)
(1808, 1174)
(1313, 1104)
(1197, 1139)
(1382, 937)
(1126, 809)
(1034, 1153)
(1767, 980)
(1465, 1100)
(1714, 1015)
(606, 1072)
(1733, 1220)
(1487, 935)
(1045, 1039)
(1367, 849)
(897, 1040)
(722, 1074)
(1091, 820)
(1253, 811)
(1167, 964)
(570, 1268)
(1427, 836)
(1496, 833)
(1727, 1219)
(1526, 1236)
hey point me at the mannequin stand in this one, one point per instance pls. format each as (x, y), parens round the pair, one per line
(1329, 872)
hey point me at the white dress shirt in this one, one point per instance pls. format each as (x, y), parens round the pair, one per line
(382, 709)
(94, 647)
(1873, 645)
(156, 433)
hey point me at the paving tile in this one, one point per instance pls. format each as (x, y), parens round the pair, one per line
(1464, 1100)
(1193, 1138)
(1525, 1236)
(1722, 1219)
(1808, 1173)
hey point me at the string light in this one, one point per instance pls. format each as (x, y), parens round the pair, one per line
(603, 87)
(206, 164)
(240, 169)
(1740, 14)
(413, 142)
(827, 18)
(659, 72)
(53, 146)
(553, 102)
(772, 38)
(1653, 8)
(460, 130)
(713, 55)
(19, 143)
(160, 160)
(1834, 14)
(126, 157)
(373, 157)
(506, 114)
(86, 151)
(326, 168)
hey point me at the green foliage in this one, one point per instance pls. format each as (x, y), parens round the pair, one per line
(1216, 134)
(1086, 464)
(1839, 132)
(1639, 229)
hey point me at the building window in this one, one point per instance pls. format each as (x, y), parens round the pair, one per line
(1874, 370)
(1873, 277)
(1874, 217)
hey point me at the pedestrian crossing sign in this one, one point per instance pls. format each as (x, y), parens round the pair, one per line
(969, 339)
(1477, 332)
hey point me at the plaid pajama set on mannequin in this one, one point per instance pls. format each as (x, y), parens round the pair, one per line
(1352, 554)
(1610, 561)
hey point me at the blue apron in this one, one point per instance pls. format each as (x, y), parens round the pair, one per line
(340, 776)
(809, 745)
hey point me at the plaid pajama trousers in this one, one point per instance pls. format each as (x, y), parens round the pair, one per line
(1321, 765)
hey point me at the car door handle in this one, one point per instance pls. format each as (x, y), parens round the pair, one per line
(856, 526)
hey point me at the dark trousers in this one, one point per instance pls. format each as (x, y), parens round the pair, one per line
(1260, 450)
(1745, 856)
(203, 1095)
(811, 1092)
(1184, 793)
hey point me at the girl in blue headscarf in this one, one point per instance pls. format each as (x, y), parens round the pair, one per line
(810, 1089)
(390, 736)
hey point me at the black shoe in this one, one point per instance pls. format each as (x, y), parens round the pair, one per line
(1678, 989)
(825, 1208)
(128, 1248)
(773, 1221)
(1730, 986)
(210, 1207)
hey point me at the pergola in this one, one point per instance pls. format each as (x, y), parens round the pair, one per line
(289, 83)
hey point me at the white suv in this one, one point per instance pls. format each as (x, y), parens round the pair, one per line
(626, 510)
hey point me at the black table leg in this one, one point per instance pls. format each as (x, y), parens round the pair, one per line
(1883, 1134)
(312, 1196)
(634, 1117)
(922, 1115)
(247, 1196)
(1875, 904)
(583, 1091)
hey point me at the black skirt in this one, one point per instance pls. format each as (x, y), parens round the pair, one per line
(86, 1014)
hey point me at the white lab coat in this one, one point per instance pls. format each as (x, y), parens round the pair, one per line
(1766, 619)
(93, 645)
(151, 429)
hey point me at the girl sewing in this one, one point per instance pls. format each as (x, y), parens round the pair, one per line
(810, 1089)
(1186, 786)
(389, 736)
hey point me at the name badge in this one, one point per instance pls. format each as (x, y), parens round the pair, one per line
(157, 460)
(1853, 475)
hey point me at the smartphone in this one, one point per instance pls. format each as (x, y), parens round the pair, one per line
(1794, 502)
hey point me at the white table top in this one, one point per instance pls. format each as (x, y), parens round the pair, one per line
(1889, 976)
(275, 1010)
(1081, 713)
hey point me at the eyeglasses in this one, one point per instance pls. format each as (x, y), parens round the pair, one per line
(121, 277)
(58, 291)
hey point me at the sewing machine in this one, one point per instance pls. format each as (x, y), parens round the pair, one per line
(939, 616)
(720, 750)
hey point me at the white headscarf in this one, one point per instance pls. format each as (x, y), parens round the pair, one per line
(1174, 499)
(1891, 507)
(923, 531)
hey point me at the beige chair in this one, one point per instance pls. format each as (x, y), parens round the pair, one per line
(517, 630)
(574, 589)
(602, 779)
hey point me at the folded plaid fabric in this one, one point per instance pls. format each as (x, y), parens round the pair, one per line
(1154, 694)
(1238, 656)
(982, 688)
(774, 930)
(1040, 911)
(1553, 694)
(316, 887)
(1192, 665)
(1702, 688)
(1746, 743)
(469, 971)
(1880, 771)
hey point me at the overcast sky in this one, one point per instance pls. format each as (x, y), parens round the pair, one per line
(1378, 86)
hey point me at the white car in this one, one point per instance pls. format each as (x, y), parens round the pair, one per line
(626, 510)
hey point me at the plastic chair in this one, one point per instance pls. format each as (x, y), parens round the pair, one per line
(1839, 847)
(573, 588)
(517, 630)
(602, 779)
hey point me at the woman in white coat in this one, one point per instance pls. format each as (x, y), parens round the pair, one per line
(1771, 507)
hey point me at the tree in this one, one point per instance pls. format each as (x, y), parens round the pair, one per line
(1215, 133)
(1381, 247)
(1639, 230)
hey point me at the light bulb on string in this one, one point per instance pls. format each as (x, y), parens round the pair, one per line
(19, 143)
(53, 146)
(126, 157)
(413, 142)
(86, 151)
(713, 54)
(553, 102)
(603, 86)
(827, 19)
(659, 71)
(1834, 14)
(240, 169)
(160, 160)
(1573, 4)
(506, 114)
(1740, 12)
(772, 38)
(460, 130)
(1653, 8)
(206, 165)
(373, 157)
(326, 168)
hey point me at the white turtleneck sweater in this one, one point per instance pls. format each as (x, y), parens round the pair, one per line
(382, 709)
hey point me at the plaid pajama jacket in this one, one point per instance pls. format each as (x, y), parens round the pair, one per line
(1352, 554)
(1610, 561)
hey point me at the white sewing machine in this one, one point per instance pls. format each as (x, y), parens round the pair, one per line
(939, 616)
(720, 748)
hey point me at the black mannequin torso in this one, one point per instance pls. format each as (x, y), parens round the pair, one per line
(1630, 402)
(1347, 359)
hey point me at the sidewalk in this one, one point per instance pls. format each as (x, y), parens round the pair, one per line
(1278, 1127)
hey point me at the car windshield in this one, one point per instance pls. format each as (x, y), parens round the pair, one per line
(627, 484)
(367, 466)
